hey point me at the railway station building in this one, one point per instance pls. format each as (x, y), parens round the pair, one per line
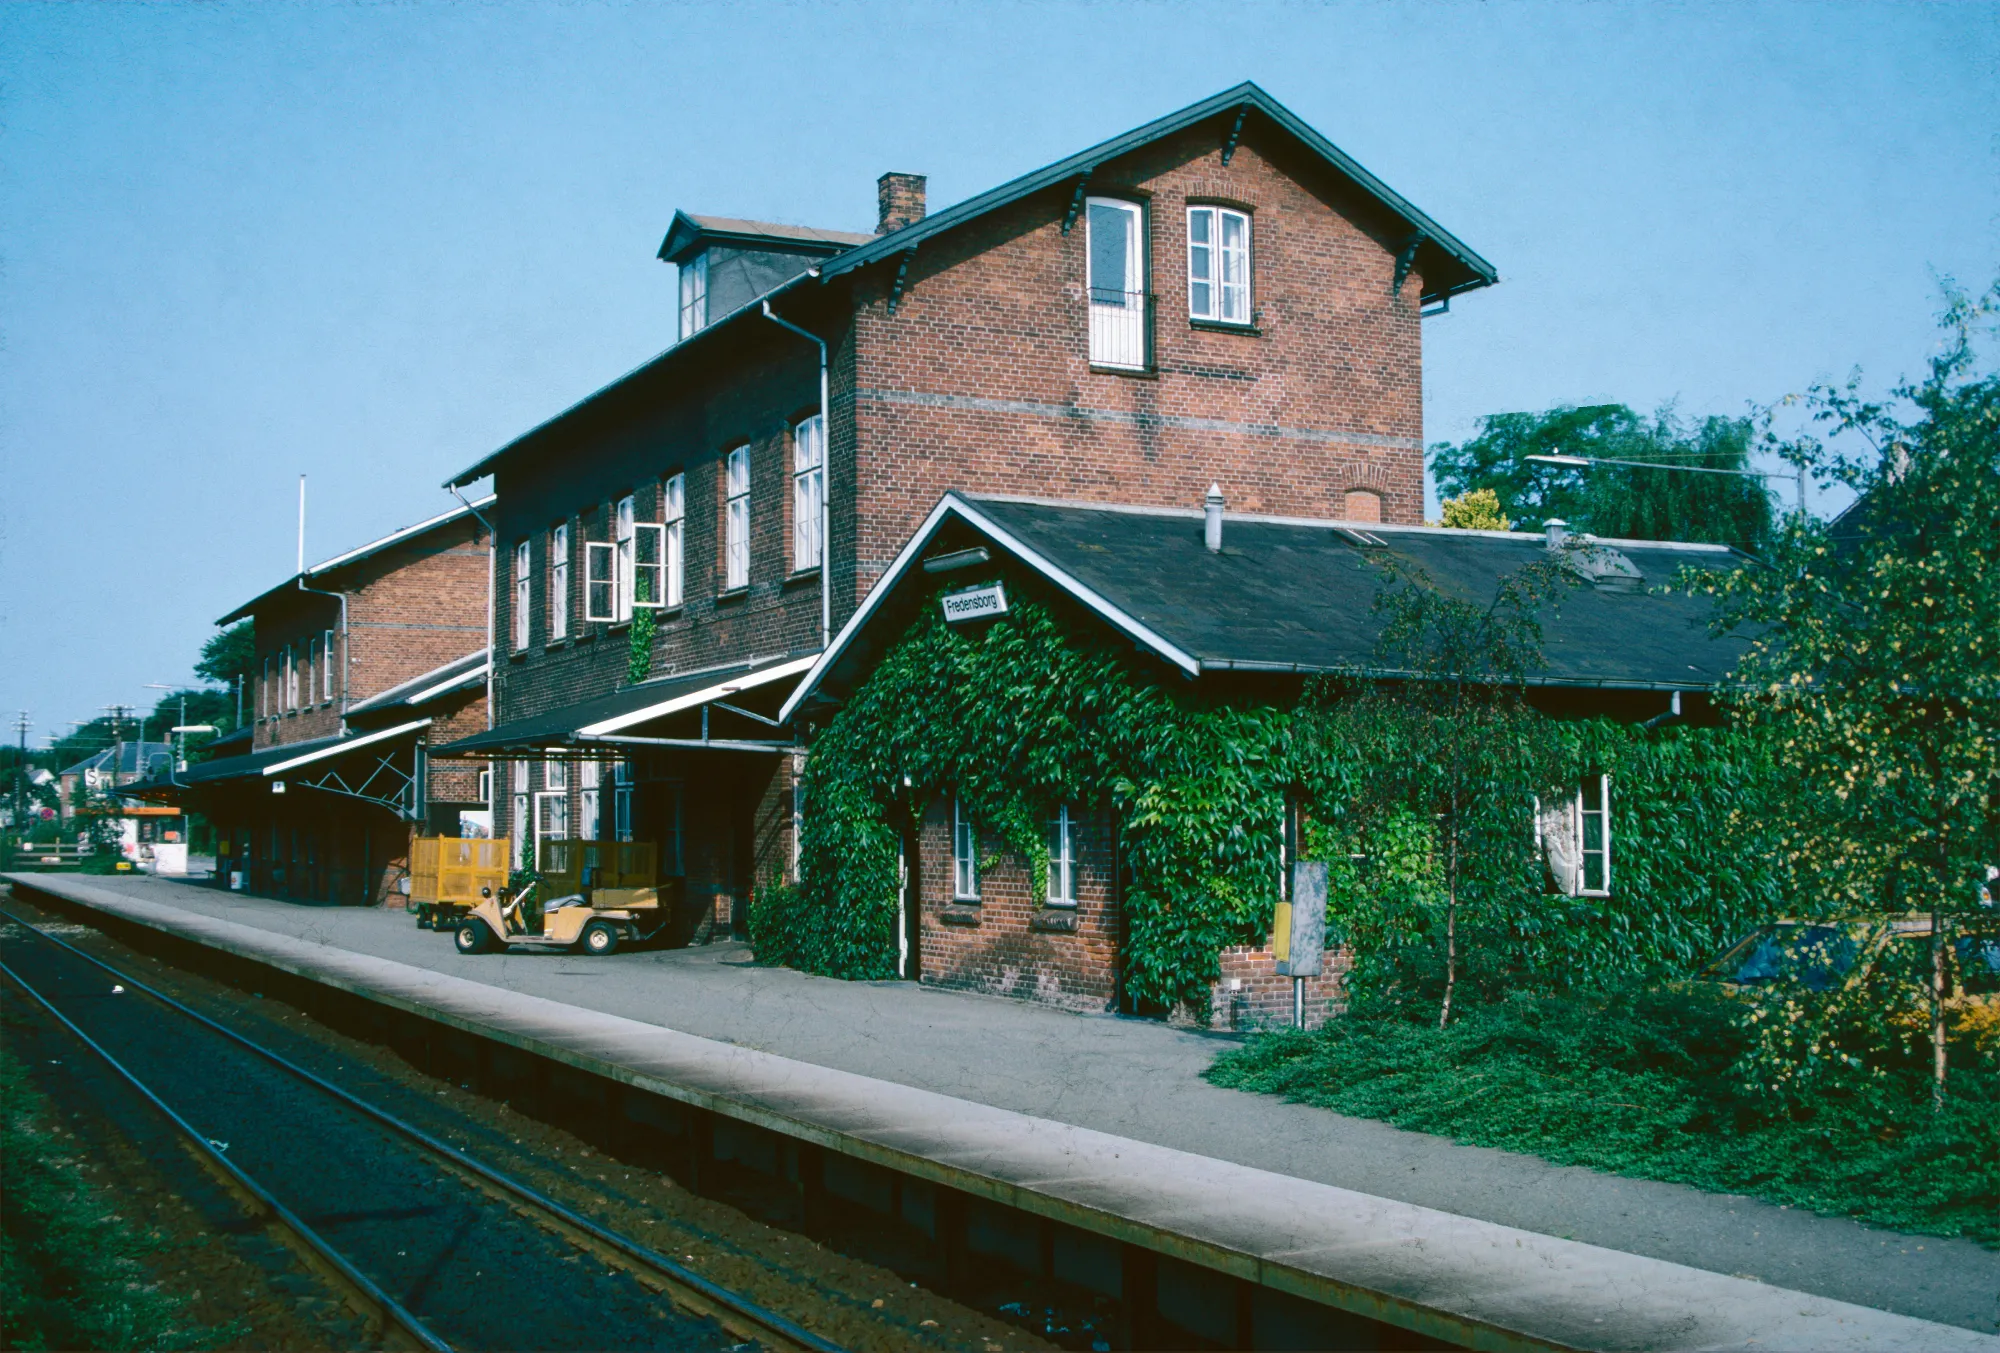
(362, 663)
(1221, 296)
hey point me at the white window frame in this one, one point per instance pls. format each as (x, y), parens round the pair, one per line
(589, 815)
(649, 565)
(1593, 882)
(486, 786)
(673, 511)
(694, 295)
(1219, 272)
(267, 689)
(621, 800)
(555, 775)
(523, 585)
(808, 493)
(964, 854)
(600, 580)
(326, 682)
(736, 519)
(291, 680)
(1062, 858)
(559, 582)
(1117, 314)
(551, 819)
(310, 679)
(517, 820)
(624, 519)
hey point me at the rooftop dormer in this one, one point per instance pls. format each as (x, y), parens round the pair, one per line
(726, 263)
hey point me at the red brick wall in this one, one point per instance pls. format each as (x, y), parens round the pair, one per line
(1004, 943)
(1251, 995)
(981, 380)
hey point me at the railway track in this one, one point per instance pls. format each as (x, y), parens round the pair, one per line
(449, 1220)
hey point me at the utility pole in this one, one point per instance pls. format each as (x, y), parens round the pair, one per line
(21, 775)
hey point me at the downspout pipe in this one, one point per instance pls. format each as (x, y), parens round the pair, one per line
(346, 644)
(826, 490)
(492, 546)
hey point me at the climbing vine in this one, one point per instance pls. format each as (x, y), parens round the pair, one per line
(1024, 712)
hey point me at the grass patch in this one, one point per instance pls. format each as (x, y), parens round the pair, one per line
(71, 1275)
(1640, 1084)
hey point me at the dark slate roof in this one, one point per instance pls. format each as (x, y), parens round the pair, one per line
(127, 758)
(457, 675)
(687, 231)
(1290, 595)
(558, 727)
(229, 744)
(229, 767)
(1448, 265)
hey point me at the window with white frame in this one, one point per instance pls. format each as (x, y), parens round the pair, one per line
(1218, 265)
(964, 854)
(486, 786)
(523, 569)
(551, 820)
(694, 295)
(600, 580)
(808, 491)
(555, 774)
(1574, 838)
(1062, 858)
(624, 518)
(589, 819)
(326, 672)
(267, 693)
(291, 679)
(517, 819)
(310, 673)
(621, 800)
(673, 513)
(736, 520)
(559, 581)
(1115, 249)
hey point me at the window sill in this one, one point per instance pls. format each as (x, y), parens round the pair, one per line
(517, 655)
(1141, 373)
(801, 577)
(1223, 326)
(554, 644)
(1059, 918)
(734, 594)
(962, 912)
(617, 626)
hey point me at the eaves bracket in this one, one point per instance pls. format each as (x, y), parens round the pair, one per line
(1406, 259)
(1076, 198)
(902, 277)
(1235, 136)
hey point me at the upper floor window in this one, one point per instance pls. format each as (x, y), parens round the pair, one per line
(326, 671)
(1218, 265)
(694, 294)
(523, 571)
(291, 679)
(626, 520)
(266, 692)
(1062, 859)
(964, 854)
(312, 670)
(559, 581)
(1117, 282)
(1575, 839)
(588, 811)
(808, 491)
(736, 520)
(673, 504)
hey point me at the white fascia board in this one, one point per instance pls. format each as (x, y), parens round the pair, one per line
(618, 723)
(469, 678)
(953, 504)
(394, 536)
(346, 745)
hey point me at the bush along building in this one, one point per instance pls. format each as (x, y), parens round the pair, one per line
(1220, 296)
(1066, 750)
(363, 662)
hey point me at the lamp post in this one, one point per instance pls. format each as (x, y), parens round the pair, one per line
(1584, 462)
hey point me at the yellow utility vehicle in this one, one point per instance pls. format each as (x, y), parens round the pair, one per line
(603, 897)
(450, 874)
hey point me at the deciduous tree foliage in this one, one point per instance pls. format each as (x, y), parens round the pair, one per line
(1876, 670)
(1615, 501)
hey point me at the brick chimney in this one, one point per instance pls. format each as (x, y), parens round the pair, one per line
(900, 200)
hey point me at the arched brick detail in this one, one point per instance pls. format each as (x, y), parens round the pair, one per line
(1361, 505)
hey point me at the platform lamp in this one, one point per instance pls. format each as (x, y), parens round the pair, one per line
(1797, 476)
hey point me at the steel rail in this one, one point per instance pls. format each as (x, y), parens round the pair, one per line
(689, 1289)
(371, 1302)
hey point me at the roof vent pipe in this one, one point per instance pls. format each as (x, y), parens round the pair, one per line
(1211, 519)
(1558, 532)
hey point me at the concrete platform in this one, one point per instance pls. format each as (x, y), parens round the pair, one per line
(1103, 1123)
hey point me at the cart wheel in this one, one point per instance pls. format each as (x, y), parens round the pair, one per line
(473, 937)
(600, 937)
(423, 918)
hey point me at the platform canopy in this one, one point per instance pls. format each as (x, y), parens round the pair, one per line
(386, 767)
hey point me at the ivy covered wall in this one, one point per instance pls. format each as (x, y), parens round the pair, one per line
(1044, 706)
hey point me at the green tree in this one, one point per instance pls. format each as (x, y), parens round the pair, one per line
(1475, 510)
(1876, 658)
(228, 655)
(1608, 500)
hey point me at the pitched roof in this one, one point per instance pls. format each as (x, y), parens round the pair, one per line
(457, 675)
(356, 555)
(1448, 265)
(687, 231)
(617, 713)
(1291, 595)
(126, 758)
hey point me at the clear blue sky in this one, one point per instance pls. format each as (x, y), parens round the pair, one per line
(370, 243)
